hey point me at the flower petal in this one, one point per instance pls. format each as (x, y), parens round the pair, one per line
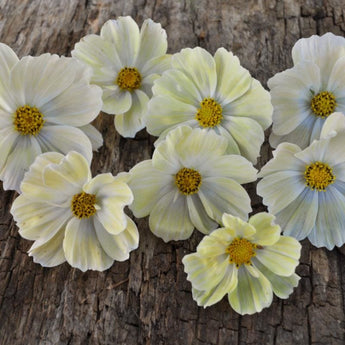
(282, 257)
(232, 79)
(223, 195)
(198, 216)
(82, 247)
(132, 121)
(118, 246)
(123, 33)
(116, 101)
(252, 294)
(200, 67)
(94, 136)
(64, 139)
(169, 219)
(153, 42)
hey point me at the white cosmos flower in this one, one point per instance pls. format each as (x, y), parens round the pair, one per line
(46, 104)
(305, 189)
(190, 182)
(215, 93)
(247, 261)
(305, 95)
(72, 216)
(125, 62)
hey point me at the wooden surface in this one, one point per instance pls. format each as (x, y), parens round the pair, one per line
(147, 300)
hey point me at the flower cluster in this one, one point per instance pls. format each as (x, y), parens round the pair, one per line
(209, 115)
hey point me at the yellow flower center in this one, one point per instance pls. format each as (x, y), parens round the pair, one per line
(318, 176)
(209, 114)
(129, 79)
(28, 120)
(323, 104)
(241, 251)
(188, 181)
(83, 205)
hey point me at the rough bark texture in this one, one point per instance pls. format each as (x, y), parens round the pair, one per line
(147, 300)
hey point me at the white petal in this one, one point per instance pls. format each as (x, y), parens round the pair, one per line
(282, 286)
(165, 112)
(279, 189)
(335, 123)
(170, 219)
(115, 100)
(248, 135)
(123, 33)
(267, 232)
(316, 151)
(252, 294)
(23, 153)
(49, 253)
(298, 218)
(8, 59)
(82, 247)
(215, 244)
(94, 136)
(38, 220)
(232, 79)
(64, 139)
(153, 42)
(148, 186)
(77, 105)
(226, 285)
(236, 227)
(198, 216)
(200, 67)
(132, 121)
(223, 195)
(155, 66)
(255, 104)
(71, 173)
(177, 85)
(336, 79)
(329, 226)
(8, 138)
(118, 246)
(38, 80)
(231, 166)
(205, 273)
(282, 257)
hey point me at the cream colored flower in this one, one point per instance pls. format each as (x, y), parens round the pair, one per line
(305, 189)
(72, 216)
(125, 62)
(214, 93)
(46, 104)
(190, 182)
(305, 95)
(247, 261)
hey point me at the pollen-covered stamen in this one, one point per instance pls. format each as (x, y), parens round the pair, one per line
(83, 205)
(209, 114)
(128, 79)
(241, 251)
(323, 104)
(318, 176)
(28, 120)
(188, 181)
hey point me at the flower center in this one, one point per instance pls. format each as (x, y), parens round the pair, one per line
(318, 176)
(323, 104)
(129, 79)
(241, 251)
(210, 113)
(28, 120)
(188, 181)
(83, 205)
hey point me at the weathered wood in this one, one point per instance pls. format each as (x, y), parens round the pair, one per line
(147, 300)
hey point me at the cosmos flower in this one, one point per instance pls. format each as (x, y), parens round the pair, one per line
(125, 62)
(46, 104)
(305, 95)
(215, 93)
(72, 216)
(305, 189)
(247, 261)
(190, 182)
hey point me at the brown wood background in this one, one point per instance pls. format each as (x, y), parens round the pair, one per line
(147, 300)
